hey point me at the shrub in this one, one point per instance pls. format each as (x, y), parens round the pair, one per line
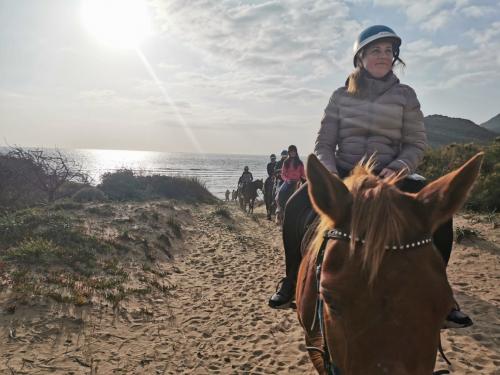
(89, 194)
(69, 189)
(485, 195)
(33, 252)
(67, 205)
(17, 189)
(44, 254)
(122, 185)
(48, 170)
(175, 225)
(26, 231)
(222, 212)
(182, 188)
(104, 210)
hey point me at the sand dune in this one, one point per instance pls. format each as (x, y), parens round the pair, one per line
(212, 317)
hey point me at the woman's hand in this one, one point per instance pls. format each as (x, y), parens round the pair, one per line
(386, 172)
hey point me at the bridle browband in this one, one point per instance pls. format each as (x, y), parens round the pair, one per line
(340, 235)
(337, 234)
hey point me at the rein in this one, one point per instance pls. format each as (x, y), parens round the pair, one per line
(337, 234)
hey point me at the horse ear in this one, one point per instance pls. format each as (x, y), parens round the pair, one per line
(444, 196)
(328, 194)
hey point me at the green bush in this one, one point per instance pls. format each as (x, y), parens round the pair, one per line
(17, 189)
(89, 194)
(122, 185)
(33, 237)
(69, 189)
(182, 188)
(222, 212)
(485, 195)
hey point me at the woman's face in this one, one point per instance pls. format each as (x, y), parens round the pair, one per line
(292, 153)
(377, 59)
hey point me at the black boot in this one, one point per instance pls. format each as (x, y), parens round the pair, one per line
(457, 319)
(284, 295)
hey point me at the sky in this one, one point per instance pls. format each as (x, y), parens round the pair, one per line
(225, 76)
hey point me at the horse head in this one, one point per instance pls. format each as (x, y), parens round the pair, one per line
(382, 282)
(259, 184)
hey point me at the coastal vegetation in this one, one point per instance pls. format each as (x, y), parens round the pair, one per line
(32, 177)
(61, 237)
(76, 244)
(485, 197)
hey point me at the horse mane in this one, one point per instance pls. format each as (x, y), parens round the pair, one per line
(376, 216)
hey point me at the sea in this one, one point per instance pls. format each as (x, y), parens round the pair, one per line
(218, 172)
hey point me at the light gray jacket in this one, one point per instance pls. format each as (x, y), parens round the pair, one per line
(385, 122)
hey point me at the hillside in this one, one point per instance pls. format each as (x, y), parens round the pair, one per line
(493, 124)
(443, 130)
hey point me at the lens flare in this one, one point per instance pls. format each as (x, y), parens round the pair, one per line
(118, 23)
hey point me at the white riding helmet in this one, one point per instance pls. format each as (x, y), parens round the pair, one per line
(373, 33)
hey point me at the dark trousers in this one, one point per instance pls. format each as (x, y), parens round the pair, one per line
(286, 190)
(299, 212)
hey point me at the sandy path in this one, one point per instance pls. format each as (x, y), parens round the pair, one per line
(215, 320)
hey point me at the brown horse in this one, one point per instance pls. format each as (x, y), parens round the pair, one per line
(383, 294)
(249, 193)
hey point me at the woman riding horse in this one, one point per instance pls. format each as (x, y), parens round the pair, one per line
(292, 173)
(375, 115)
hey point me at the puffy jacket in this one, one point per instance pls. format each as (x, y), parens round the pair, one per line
(386, 121)
(291, 173)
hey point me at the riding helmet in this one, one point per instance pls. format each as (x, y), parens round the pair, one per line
(373, 33)
(284, 153)
(273, 156)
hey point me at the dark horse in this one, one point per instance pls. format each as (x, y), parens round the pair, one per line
(372, 292)
(249, 193)
(269, 197)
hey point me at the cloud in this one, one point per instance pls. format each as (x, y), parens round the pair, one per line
(98, 95)
(429, 15)
(475, 11)
(418, 47)
(485, 36)
(267, 36)
(468, 79)
(9, 94)
(297, 94)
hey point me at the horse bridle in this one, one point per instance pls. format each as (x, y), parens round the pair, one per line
(337, 234)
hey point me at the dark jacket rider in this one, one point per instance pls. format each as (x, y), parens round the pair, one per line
(271, 165)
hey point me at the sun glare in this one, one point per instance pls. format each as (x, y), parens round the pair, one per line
(119, 23)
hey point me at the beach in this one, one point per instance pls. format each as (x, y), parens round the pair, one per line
(208, 312)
